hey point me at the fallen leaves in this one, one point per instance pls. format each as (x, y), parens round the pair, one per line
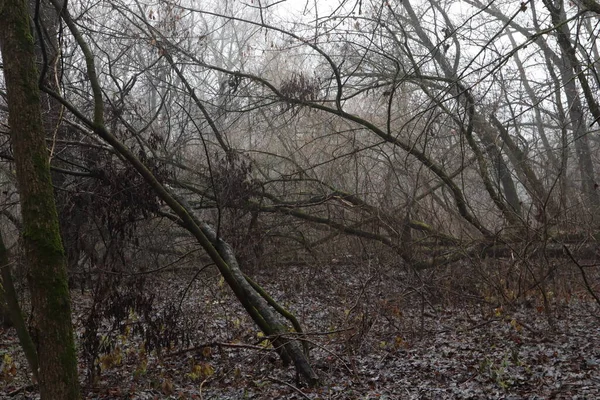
(444, 352)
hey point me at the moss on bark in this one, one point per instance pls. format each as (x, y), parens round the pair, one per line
(43, 248)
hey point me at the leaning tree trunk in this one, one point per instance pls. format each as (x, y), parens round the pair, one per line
(41, 237)
(255, 302)
(219, 251)
(9, 300)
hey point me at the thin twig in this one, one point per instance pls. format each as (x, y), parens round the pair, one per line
(290, 386)
(583, 275)
(219, 344)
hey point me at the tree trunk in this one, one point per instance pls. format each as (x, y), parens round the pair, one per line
(41, 237)
(71, 219)
(258, 307)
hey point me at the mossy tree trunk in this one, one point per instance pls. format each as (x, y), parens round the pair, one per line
(41, 237)
(45, 28)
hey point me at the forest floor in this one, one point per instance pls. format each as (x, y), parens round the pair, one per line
(373, 336)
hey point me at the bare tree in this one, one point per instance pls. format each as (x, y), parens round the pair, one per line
(427, 133)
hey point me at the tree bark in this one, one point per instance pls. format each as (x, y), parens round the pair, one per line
(41, 237)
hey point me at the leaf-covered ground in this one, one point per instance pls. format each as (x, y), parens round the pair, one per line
(375, 334)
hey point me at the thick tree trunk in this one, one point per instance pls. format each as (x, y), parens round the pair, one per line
(41, 238)
(71, 219)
